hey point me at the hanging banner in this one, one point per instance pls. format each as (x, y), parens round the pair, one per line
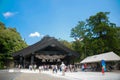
(103, 64)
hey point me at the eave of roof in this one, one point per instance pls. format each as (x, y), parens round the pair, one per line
(109, 56)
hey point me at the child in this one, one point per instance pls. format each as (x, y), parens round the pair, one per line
(102, 70)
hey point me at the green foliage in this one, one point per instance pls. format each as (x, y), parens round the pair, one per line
(66, 43)
(10, 41)
(96, 36)
(78, 32)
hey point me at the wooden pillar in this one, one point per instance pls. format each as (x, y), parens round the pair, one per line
(24, 62)
(15, 63)
(32, 59)
(21, 60)
(69, 58)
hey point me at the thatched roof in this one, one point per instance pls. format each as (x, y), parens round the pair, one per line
(44, 43)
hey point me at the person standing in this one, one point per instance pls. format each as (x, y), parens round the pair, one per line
(56, 68)
(35, 66)
(63, 69)
(70, 67)
(40, 68)
(82, 67)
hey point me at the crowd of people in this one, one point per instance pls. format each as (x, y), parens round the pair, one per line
(55, 68)
(90, 67)
(67, 68)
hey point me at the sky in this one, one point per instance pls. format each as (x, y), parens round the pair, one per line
(34, 19)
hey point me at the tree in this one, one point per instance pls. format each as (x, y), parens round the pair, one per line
(78, 32)
(117, 49)
(97, 35)
(99, 24)
(10, 42)
(103, 31)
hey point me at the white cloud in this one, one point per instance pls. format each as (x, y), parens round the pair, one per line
(9, 14)
(35, 34)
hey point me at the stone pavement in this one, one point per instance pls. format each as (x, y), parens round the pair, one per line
(25, 74)
(4, 75)
(37, 76)
(87, 75)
